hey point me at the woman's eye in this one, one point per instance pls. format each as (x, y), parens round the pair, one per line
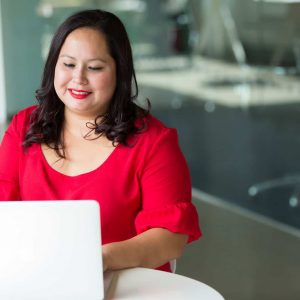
(95, 68)
(69, 65)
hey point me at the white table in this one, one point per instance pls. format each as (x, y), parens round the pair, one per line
(141, 283)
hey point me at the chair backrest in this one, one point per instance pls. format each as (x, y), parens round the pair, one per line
(173, 265)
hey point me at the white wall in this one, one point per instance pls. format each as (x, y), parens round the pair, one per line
(2, 82)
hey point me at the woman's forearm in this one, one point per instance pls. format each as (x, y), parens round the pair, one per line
(149, 249)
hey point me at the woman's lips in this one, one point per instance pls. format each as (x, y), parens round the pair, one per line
(79, 94)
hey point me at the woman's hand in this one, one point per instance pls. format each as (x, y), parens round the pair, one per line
(149, 249)
(104, 263)
(105, 255)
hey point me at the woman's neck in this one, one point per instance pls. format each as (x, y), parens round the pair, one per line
(78, 126)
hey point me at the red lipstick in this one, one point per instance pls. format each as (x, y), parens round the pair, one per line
(79, 94)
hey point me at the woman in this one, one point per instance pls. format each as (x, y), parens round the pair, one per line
(87, 139)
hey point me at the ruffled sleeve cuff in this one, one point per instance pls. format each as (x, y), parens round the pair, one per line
(178, 218)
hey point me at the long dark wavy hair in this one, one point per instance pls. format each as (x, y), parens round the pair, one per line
(119, 122)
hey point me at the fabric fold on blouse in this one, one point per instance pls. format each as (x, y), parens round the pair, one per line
(178, 218)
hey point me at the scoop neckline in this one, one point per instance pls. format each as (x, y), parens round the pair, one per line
(98, 168)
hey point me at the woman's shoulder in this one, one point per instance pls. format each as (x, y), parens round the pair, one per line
(154, 131)
(155, 127)
(25, 113)
(21, 119)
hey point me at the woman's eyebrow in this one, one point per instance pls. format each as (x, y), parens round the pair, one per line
(92, 59)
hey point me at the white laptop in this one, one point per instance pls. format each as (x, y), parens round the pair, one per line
(50, 250)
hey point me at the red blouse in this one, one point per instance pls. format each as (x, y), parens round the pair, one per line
(139, 187)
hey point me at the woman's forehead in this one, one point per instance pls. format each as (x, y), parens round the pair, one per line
(85, 42)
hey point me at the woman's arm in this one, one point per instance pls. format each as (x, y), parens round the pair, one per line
(149, 249)
(166, 208)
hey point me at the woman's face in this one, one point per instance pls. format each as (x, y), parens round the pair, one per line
(85, 73)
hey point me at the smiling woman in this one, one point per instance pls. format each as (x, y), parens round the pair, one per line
(88, 139)
(85, 74)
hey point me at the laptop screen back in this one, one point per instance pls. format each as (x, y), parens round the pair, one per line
(50, 250)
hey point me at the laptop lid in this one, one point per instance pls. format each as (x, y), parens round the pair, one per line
(50, 250)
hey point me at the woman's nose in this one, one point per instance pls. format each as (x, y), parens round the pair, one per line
(79, 76)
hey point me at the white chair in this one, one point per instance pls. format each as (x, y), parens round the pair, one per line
(173, 265)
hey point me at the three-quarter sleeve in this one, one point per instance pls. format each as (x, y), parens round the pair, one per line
(9, 163)
(166, 189)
